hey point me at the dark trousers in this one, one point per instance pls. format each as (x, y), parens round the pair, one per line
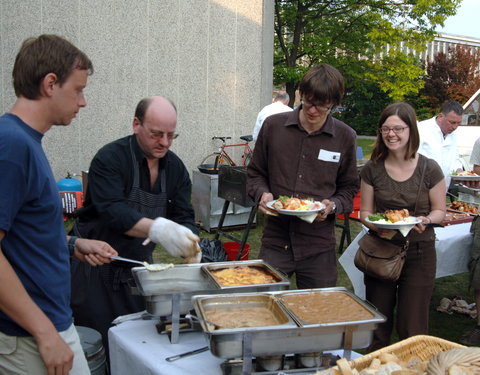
(317, 271)
(410, 296)
(101, 294)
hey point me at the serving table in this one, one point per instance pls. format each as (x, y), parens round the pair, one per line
(452, 245)
(137, 348)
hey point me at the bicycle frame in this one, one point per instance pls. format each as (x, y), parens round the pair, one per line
(223, 152)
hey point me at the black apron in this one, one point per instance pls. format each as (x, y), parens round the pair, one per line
(100, 294)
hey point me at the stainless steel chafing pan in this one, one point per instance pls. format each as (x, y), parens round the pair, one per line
(180, 283)
(229, 342)
(281, 282)
(292, 337)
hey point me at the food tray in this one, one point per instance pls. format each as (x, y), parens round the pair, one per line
(347, 302)
(180, 283)
(421, 346)
(457, 217)
(464, 178)
(283, 339)
(282, 282)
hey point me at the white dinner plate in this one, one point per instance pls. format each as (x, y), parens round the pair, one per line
(397, 225)
(465, 178)
(295, 212)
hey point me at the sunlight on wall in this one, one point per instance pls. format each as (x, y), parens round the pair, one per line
(244, 9)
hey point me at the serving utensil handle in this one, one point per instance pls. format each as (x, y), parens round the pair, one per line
(192, 352)
(127, 260)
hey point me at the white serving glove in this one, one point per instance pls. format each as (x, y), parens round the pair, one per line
(177, 239)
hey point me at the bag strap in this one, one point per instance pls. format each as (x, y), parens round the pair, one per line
(420, 185)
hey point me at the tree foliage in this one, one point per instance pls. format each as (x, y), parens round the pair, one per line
(360, 38)
(452, 76)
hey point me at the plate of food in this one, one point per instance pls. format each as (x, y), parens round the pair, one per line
(465, 176)
(295, 206)
(393, 219)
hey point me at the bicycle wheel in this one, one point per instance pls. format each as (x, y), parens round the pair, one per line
(248, 159)
(215, 160)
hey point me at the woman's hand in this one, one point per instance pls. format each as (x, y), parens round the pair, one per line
(424, 221)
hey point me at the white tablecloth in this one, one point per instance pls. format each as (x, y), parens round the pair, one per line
(137, 349)
(452, 244)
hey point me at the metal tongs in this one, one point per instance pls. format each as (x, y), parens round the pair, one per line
(149, 267)
(206, 321)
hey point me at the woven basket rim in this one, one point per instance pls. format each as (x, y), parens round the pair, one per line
(423, 346)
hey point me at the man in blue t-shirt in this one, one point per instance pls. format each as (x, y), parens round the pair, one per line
(37, 335)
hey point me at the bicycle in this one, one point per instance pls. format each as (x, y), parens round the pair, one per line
(222, 157)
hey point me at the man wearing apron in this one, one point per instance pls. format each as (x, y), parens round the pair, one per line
(137, 189)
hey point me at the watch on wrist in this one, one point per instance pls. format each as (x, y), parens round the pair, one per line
(71, 244)
(334, 208)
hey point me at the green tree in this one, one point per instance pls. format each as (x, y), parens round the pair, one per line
(353, 36)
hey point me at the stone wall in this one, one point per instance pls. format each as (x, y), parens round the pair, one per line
(213, 58)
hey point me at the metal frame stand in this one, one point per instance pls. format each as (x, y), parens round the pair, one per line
(244, 238)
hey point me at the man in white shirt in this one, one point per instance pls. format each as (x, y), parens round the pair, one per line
(438, 140)
(279, 105)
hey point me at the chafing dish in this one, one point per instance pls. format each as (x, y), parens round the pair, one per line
(281, 283)
(176, 286)
(294, 336)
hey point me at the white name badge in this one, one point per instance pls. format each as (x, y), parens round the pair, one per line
(329, 156)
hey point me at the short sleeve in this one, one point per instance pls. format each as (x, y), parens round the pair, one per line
(435, 173)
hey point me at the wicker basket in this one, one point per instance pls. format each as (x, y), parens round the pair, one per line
(421, 346)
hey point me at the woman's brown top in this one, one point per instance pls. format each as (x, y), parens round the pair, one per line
(390, 194)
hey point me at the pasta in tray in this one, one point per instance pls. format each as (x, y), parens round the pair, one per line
(243, 276)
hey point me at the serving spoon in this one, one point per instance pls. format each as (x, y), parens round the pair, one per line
(149, 267)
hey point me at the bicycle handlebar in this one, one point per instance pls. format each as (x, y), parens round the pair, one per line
(246, 138)
(221, 138)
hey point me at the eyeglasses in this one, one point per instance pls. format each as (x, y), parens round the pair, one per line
(319, 108)
(397, 129)
(160, 135)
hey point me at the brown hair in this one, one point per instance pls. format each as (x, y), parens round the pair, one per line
(407, 114)
(43, 55)
(322, 84)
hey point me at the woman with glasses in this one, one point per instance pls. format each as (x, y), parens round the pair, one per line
(393, 178)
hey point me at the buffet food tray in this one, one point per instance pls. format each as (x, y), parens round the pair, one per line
(211, 268)
(453, 217)
(176, 286)
(294, 336)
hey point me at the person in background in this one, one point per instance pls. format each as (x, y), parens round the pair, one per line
(37, 334)
(472, 337)
(279, 105)
(438, 140)
(305, 153)
(137, 188)
(390, 181)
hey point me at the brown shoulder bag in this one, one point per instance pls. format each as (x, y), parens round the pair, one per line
(380, 258)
